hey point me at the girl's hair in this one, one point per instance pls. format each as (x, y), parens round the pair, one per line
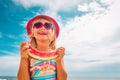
(52, 41)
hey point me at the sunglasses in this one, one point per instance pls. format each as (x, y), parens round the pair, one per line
(40, 24)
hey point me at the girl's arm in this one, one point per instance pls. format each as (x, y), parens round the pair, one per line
(61, 73)
(23, 72)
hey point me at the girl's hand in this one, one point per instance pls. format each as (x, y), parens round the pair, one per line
(24, 49)
(61, 52)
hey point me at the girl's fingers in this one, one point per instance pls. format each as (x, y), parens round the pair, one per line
(61, 52)
(24, 46)
(61, 49)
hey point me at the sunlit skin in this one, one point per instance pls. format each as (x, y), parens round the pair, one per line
(43, 36)
(42, 41)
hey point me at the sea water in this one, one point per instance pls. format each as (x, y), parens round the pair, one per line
(7, 78)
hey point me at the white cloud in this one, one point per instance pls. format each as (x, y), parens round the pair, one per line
(95, 6)
(9, 65)
(107, 1)
(51, 4)
(92, 27)
(83, 7)
(12, 36)
(84, 39)
(89, 57)
(92, 6)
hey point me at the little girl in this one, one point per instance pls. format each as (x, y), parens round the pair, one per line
(40, 60)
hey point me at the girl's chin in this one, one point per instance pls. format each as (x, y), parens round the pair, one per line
(43, 38)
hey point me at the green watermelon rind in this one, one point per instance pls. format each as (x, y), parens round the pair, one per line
(42, 58)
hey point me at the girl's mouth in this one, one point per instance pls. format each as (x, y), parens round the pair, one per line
(42, 33)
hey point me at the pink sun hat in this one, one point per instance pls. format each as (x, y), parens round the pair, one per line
(29, 24)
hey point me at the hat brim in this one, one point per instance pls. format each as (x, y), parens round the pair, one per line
(29, 24)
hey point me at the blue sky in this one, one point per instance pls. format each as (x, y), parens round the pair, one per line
(90, 32)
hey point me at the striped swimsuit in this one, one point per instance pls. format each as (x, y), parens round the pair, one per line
(42, 70)
(42, 65)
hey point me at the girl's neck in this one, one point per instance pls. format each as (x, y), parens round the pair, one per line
(43, 46)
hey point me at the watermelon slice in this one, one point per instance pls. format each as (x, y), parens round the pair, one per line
(40, 55)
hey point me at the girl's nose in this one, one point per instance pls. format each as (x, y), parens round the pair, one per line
(42, 28)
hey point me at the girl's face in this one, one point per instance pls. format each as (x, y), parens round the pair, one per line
(42, 30)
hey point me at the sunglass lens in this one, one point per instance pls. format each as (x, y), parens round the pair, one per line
(37, 25)
(48, 25)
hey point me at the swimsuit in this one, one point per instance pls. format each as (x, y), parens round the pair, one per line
(41, 67)
(42, 70)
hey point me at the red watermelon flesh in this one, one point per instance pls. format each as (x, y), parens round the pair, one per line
(41, 55)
